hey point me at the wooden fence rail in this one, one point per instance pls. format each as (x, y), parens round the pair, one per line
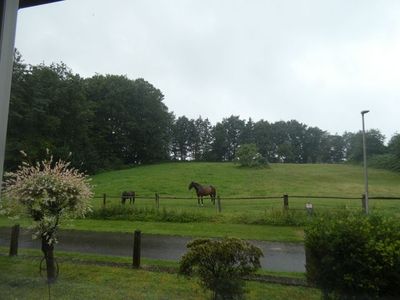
(252, 197)
(284, 197)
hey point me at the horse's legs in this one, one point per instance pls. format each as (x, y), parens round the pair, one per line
(201, 200)
(198, 200)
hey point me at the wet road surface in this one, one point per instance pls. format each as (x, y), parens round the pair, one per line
(284, 257)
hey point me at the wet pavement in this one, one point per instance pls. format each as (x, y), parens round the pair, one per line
(284, 257)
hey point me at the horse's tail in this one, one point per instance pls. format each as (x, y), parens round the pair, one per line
(213, 191)
(213, 194)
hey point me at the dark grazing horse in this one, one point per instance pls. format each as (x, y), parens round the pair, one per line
(128, 195)
(203, 191)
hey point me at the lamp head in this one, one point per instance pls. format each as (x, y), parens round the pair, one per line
(364, 112)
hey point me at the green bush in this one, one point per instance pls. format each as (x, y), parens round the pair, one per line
(247, 155)
(385, 161)
(277, 216)
(354, 256)
(221, 265)
(270, 217)
(120, 212)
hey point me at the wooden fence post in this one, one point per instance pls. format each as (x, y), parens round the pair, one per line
(219, 208)
(133, 197)
(364, 203)
(14, 240)
(104, 200)
(286, 201)
(136, 249)
(157, 201)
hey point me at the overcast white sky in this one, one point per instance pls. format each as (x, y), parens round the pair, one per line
(319, 62)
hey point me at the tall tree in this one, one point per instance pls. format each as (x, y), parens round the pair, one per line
(18, 108)
(394, 145)
(312, 145)
(48, 109)
(227, 138)
(263, 138)
(220, 145)
(112, 120)
(297, 134)
(203, 139)
(234, 127)
(354, 144)
(131, 123)
(184, 135)
(280, 142)
(332, 149)
(153, 121)
(247, 134)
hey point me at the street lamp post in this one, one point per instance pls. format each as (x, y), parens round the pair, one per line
(365, 161)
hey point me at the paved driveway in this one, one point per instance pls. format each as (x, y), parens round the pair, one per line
(286, 257)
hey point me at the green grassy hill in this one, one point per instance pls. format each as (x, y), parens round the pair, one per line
(259, 219)
(172, 179)
(231, 180)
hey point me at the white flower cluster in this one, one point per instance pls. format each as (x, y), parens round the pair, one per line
(47, 191)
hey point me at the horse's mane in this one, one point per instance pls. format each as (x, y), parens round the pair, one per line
(195, 185)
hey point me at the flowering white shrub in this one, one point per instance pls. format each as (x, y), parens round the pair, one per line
(47, 191)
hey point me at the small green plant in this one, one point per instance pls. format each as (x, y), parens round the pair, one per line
(278, 217)
(47, 192)
(354, 256)
(221, 265)
(119, 212)
(247, 155)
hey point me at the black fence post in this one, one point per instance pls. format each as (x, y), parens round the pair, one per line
(157, 201)
(136, 249)
(286, 201)
(14, 240)
(364, 203)
(104, 200)
(219, 208)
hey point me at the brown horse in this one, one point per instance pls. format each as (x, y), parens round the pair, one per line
(203, 191)
(128, 195)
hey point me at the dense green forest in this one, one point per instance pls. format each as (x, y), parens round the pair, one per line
(110, 121)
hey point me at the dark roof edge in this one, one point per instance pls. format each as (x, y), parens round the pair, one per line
(29, 3)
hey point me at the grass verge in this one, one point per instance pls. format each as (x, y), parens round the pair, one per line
(19, 279)
(249, 232)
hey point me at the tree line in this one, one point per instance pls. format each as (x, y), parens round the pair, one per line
(110, 121)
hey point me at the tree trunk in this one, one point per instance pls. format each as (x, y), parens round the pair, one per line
(48, 251)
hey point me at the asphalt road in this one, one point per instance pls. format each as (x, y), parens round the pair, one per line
(285, 257)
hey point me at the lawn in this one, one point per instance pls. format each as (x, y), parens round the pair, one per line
(239, 216)
(19, 279)
(231, 181)
(251, 232)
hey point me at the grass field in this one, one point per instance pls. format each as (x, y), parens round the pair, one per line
(236, 219)
(194, 230)
(84, 277)
(231, 181)
(19, 277)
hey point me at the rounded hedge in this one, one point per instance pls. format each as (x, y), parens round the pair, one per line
(354, 256)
